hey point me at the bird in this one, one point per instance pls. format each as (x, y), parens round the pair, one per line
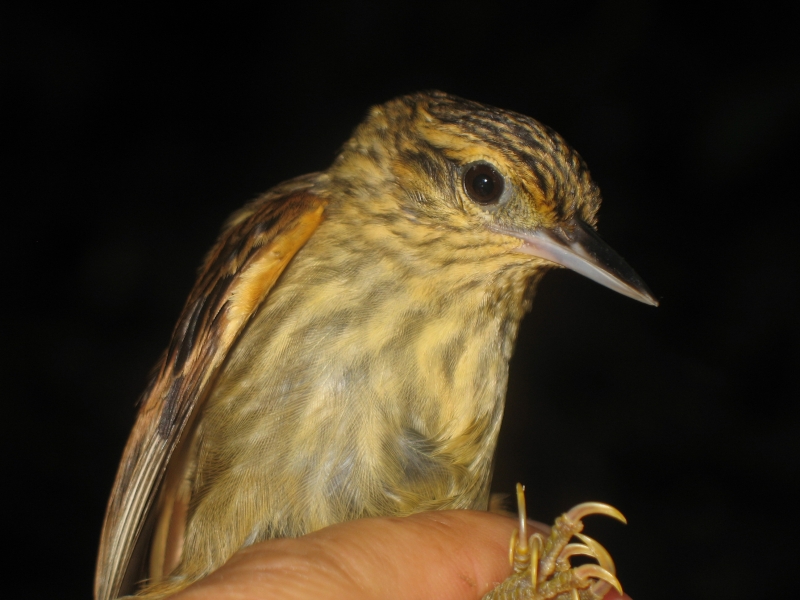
(344, 352)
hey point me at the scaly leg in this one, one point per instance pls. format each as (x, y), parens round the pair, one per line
(542, 570)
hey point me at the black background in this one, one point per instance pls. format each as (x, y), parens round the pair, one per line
(129, 135)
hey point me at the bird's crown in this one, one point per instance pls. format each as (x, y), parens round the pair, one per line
(436, 146)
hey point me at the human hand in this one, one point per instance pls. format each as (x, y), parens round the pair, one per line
(454, 554)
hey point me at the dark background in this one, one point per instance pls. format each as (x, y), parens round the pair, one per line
(128, 137)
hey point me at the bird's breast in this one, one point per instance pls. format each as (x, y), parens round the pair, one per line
(363, 386)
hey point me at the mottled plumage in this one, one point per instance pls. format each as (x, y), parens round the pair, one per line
(345, 350)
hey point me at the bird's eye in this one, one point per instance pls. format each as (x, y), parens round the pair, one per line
(483, 184)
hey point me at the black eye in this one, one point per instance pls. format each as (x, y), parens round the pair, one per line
(483, 184)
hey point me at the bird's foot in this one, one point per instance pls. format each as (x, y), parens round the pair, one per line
(542, 569)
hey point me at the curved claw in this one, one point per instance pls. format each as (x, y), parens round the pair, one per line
(519, 553)
(576, 513)
(571, 550)
(536, 547)
(604, 578)
(599, 552)
(512, 547)
(523, 515)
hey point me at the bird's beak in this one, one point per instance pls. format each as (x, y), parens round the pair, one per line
(575, 245)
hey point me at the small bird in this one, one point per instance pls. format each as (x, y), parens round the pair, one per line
(344, 352)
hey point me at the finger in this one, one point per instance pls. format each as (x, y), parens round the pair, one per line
(443, 554)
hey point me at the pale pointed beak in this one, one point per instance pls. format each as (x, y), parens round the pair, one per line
(577, 246)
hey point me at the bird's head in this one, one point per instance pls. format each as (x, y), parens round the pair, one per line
(481, 180)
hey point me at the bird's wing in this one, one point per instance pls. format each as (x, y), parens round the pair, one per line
(236, 277)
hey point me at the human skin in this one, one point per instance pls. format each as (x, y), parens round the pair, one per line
(449, 555)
